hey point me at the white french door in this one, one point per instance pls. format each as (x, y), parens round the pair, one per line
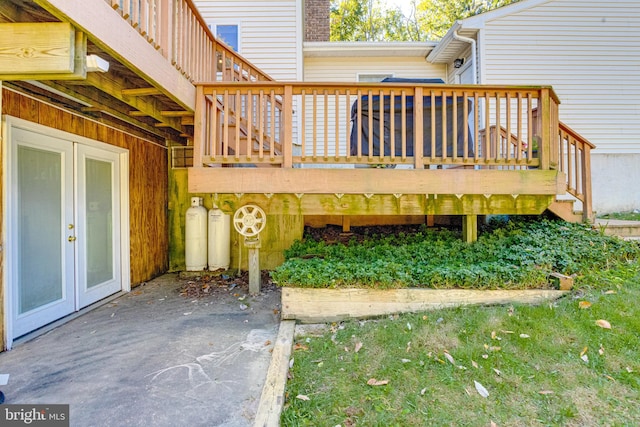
(65, 227)
(97, 223)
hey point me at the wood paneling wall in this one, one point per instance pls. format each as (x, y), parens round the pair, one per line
(147, 179)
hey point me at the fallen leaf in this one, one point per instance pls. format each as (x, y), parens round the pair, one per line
(584, 304)
(408, 346)
(507, 332)
(267, 342)
(449, 358)
(603, 324)
(357, 347)
(302, 397)
(300, 347)
(374, 382)
(481, 390)
(546, 392)
(584, 351)
(485, 356)
(610, 292)
(495, 348)
(320, 365)
(524, 336)
(493, 335)
(601, 350)
(474, 364)
(424, 317)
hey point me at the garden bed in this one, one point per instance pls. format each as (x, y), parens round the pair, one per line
(332, 276)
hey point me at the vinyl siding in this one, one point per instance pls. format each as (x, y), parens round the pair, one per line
(588, 51)
(340, 69)
(268, 32)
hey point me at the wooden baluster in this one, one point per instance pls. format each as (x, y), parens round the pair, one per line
(418, 125)
(287, 145)
(314, 129)
(337, 125)
(476, 126)
(303, 127)
(325, 99)
(347, 118)
(454, 125)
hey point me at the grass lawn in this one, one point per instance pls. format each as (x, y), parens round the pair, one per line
(554, 364)
(627, 216)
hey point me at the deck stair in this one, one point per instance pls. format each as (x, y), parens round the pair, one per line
(565, 209)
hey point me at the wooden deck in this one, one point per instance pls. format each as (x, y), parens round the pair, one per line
(348, 149)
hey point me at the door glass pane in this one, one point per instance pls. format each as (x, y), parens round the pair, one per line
(40, 228)
(99, 221)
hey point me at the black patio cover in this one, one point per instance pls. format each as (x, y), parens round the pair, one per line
(374, 133)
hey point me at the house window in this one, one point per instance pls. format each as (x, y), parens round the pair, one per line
(373, 78)
(228, 33)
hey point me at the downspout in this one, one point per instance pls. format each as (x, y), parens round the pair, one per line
(473, 53)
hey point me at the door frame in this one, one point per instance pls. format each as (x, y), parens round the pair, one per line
(8, 124)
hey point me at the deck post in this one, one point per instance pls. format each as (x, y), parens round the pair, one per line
(253, 245)
(545, 129)
(200, 127)
(587, 212)
(470, 228)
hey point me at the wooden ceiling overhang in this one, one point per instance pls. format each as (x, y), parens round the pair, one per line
(43, 52)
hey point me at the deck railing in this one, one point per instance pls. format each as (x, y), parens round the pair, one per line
(176, 29)
(341, 125)
(574, 157)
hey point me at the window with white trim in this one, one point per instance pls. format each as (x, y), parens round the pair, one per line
(228, 33)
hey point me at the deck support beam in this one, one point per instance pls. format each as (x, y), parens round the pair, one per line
(470, 228)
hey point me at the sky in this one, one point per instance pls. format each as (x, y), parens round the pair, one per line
(405, 5)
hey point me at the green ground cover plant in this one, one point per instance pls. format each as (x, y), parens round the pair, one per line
(514, 254)
(571, 362)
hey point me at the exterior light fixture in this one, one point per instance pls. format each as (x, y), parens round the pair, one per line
(457, 63)
(97, 64)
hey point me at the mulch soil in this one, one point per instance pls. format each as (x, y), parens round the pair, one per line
(218, 282)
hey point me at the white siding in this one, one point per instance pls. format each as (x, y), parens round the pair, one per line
(341, 69)
(269, 32)
(588, 50)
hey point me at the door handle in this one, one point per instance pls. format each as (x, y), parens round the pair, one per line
(71, 238)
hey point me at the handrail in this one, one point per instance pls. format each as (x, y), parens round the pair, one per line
(574, 159)
(331, 124)
(178, 31)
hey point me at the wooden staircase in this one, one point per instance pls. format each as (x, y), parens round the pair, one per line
(574, 160)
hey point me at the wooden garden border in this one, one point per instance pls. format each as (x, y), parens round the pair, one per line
(331, 305)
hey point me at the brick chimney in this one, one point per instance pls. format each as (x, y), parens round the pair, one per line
(316, 20)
